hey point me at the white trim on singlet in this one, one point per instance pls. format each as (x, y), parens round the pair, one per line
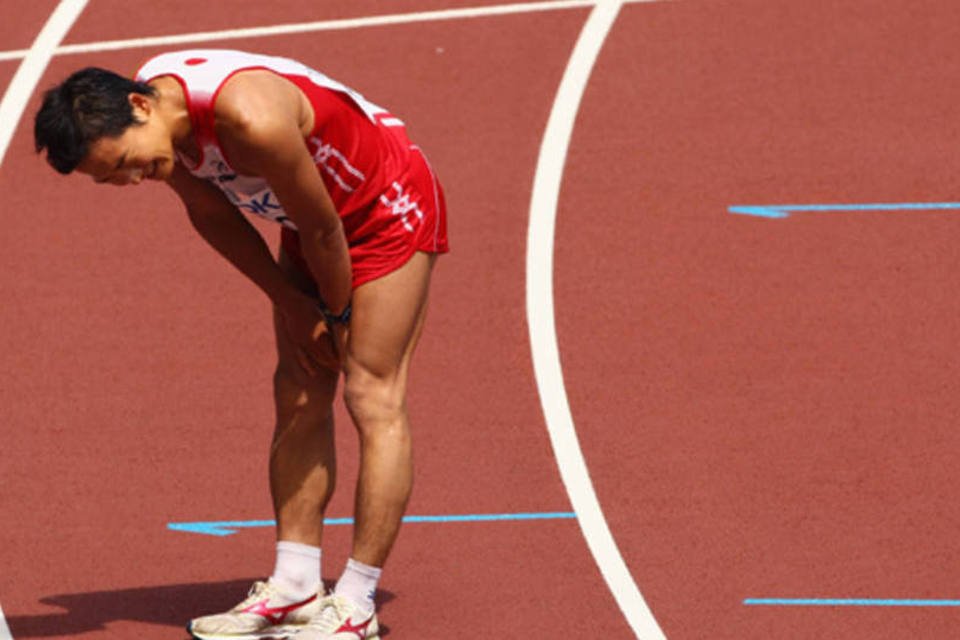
(205, 78)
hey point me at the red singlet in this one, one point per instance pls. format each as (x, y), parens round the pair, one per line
(388, 198)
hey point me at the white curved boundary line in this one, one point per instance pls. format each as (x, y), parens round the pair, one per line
(18, 93)
(4, 629)
(543, 337)
(32, 67)
(545, 352)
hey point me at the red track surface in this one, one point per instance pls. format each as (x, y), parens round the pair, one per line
(175, 17)
(766, 407)
(22, 21)
(7, 69)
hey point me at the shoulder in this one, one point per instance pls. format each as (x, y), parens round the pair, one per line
(254, 98)
(257, 117)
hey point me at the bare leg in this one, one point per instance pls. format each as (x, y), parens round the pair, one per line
(388, 316)
(302, 456)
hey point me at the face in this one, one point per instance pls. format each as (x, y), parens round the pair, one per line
(142, 152)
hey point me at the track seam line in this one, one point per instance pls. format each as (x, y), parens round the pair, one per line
(541, 323)
(34, 63)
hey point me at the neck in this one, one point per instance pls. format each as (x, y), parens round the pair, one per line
(172, 105)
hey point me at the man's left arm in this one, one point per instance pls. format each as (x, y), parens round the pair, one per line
(269, 143)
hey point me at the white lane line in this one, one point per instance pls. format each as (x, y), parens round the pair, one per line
(543, 336)
(306, 27)
(34, 63)
(544, 347)
(4, 629)
(323, 25)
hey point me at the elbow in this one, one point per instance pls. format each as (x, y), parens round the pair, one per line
(328, 235)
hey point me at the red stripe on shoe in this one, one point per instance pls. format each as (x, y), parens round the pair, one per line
(359, 629)
(276, 615)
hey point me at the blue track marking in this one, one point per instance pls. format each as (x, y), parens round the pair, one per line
(847, 602)
(229, 527)
(784, 210)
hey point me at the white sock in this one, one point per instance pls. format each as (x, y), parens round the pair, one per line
(298, 569)
(359, 584)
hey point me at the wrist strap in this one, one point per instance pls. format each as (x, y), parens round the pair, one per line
(342, 318)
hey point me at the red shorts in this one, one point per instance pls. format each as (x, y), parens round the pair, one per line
(409, 216)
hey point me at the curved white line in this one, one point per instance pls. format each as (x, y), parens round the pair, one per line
(18, 93)
(543, 337)
(32, 67)
(543, 341)
(4, 629)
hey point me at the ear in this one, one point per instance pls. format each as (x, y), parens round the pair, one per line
(142, 107)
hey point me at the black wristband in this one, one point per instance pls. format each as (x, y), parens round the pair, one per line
(342, 318)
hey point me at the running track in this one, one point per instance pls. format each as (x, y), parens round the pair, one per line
(765, 407)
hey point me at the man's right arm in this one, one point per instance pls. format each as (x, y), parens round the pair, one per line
(228, 231)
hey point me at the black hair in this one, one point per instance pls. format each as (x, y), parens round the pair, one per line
(91, 104)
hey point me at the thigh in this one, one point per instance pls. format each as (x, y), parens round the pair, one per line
(387, 317)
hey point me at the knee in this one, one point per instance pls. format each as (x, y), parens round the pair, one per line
(297, 394)
(374, 401)
(289, 387)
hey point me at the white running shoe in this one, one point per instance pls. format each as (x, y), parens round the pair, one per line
(340, 619)
(266, 612)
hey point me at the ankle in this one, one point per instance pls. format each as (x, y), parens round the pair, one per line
(359, 584)
(297, 570)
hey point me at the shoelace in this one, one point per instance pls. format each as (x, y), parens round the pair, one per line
(331, 616)
(257, 591)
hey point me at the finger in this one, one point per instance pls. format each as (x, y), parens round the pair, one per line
(326, 359)
(320, 329)
(337, 342)
(324, 352)
(306, 363)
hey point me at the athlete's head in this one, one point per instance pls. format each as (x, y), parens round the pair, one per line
(106, 126)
